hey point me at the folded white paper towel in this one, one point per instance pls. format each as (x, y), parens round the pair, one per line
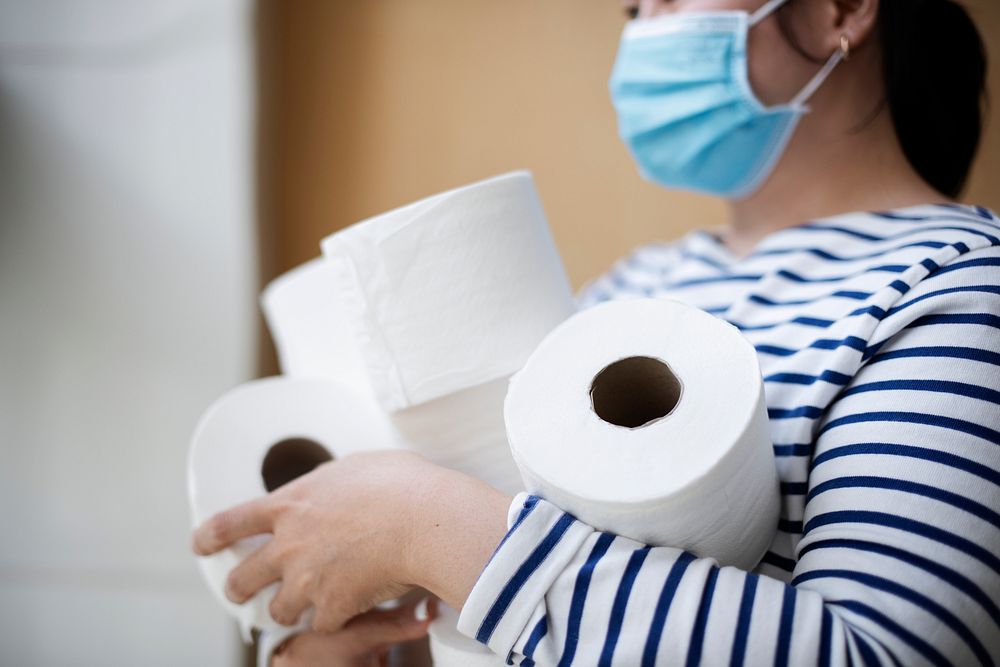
(452, 291)
(647, 418)
(260, 435)
(311, 332)
(314, 338)
(450, 648)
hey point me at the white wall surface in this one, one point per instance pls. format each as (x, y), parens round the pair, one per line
(127, 303)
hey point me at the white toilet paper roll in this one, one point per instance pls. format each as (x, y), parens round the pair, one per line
(260, 435)
(311, 334)
(464, 431)
(452, 291)
(646, 418)
(450, 648)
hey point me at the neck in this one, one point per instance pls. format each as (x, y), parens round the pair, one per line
(833, 165)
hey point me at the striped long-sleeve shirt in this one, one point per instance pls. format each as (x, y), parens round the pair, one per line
(878, 336)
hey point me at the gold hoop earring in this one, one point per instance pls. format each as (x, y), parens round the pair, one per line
(845, 47)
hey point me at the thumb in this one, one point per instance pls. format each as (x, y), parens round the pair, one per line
(377, 628)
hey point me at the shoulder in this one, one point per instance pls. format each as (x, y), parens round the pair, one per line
(888, 253)
(635, 275)
(952, 229)
(958, 284)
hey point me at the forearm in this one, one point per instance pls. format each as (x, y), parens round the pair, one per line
(450, 546)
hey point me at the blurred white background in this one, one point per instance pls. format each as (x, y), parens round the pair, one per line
(127, 303)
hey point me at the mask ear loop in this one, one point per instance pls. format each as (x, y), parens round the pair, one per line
(818, 80)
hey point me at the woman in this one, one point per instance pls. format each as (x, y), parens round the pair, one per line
(878, 335)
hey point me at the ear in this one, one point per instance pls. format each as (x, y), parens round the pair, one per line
(854, 20)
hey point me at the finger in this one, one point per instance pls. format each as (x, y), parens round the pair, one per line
(255, 572)
(315, 649)
(291, 599)
(376, 629)
(309, 649)
(252, 518)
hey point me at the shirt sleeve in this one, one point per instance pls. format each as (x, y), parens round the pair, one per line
(899, 563)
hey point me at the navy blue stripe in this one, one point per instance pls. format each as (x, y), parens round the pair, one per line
(580, 589)
(942, 352)
(975, 289)
(785, 628)
(635, 562)
(839, 294)
(789, 526)
(832, 377)
(794, 488)
(826, 638)
(938, 386)
(938, 421)
(948, 217)
(521, 576)
(980, 319)
(663, 608)
(780, 562)
(830, 257)
(985, 213)
(930, 606)
(922, 229)
(886, 449)
(868, 654)
(900, 287)
(853, 342)
(695, 282)
(977, 211)
(697, 642)
(873, 349)
(905, 486)
(704, 259)
(814, 322)
(742, 635)
(797, 278)
(930, 265)
(793, 450)
(955, 579)
(807, 411)
(918, 644)
(967, 264)
(539, 631)
(910, 526)
(529, 505)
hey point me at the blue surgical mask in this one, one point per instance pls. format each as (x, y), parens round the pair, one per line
(685, 107)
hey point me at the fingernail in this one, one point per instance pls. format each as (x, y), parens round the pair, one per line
(421, 612)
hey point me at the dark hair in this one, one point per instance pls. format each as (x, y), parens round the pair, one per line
(934, 66)
(934, 72)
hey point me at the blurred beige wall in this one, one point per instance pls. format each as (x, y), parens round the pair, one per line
(369, 105)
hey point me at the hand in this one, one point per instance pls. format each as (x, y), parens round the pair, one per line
(363, 642)
(358, 531)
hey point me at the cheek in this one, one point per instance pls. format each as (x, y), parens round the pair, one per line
(776, 70)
